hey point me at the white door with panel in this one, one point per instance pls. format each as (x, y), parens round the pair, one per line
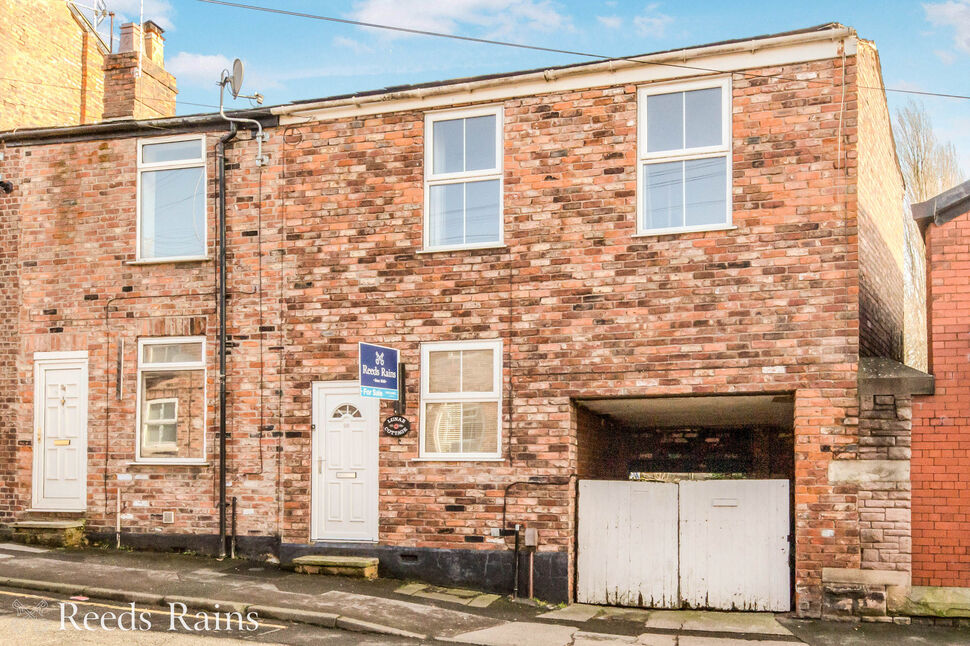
(60, 431)
(628, 543)
(734, 549)
(345, 459)
(720, 544)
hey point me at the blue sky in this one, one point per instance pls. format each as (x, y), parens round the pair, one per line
(923, 45)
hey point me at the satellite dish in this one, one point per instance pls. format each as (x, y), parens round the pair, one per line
(236, 80)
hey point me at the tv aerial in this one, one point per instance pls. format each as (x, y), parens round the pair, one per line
(234, 80)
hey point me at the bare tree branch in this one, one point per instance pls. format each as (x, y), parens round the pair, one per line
(929, 165)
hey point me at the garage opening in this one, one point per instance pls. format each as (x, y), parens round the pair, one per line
(686, 501)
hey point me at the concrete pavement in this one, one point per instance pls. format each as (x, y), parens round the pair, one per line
(405, 612)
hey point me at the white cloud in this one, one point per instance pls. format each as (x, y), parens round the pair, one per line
(948, 58)
(652, 22)
(197, 69)
(159, 11)
(613, 22)
(496, 17)
(953, 13)
(357, 47)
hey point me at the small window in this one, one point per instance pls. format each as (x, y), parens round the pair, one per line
(346, 411)
(171, 395)
(684, 152)
(171, 199)
(463, 179)
(461, 400)
(161, 426)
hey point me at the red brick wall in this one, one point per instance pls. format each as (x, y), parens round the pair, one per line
(941, 422)
(57, 64)
(881, 229)
(150, 95)
(324, 253)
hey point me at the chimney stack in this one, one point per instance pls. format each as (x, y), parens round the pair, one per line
(136, 85)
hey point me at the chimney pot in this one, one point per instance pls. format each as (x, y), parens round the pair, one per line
(130, 37)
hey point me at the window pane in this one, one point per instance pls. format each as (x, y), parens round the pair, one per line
(479, 427)
(172, 352)
(663, 195)
(172, 151)
(444, 373)
(185, 437)
(447, 214)
(703, 110)
(482, 211)
(448, 154)
(665, 122)
(442, 428)
(706, 191)
(480, 143)
(172, 213)
(477, 371)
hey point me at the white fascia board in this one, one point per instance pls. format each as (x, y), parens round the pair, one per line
(719, 59)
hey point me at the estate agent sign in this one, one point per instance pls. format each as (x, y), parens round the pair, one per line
(378, 371)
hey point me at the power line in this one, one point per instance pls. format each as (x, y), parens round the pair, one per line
(553, 50)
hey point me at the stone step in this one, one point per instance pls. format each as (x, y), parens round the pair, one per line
(361, 567)
(52, 533)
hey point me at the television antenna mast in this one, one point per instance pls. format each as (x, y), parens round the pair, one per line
(234, 80)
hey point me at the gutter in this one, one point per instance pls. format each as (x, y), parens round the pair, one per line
(675, 58)
(124, 128)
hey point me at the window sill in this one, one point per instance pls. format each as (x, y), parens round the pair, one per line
(457, 459)
(168, 463)
(681, 230)
(166, 261)
(482, 247)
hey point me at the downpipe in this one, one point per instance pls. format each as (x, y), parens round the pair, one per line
(221, 163)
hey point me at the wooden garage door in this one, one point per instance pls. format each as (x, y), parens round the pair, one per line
(719, 544)
(628, 543)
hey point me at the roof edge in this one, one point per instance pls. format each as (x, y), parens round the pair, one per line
(129, 127)
(944, 207)
(675, 58)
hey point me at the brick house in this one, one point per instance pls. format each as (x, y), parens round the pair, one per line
(686, 262)
(941, 422)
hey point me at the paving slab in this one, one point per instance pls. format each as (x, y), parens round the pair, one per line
(691, 640)
(583, 638)
(652, 639)
(517, 633)
(755, 623)
(17, 547)
(575, 612)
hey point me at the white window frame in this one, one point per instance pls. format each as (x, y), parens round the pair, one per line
(166, 420)
(156, 166)
(170, 367)
(495, 395)
(685, 154)
(430, 179)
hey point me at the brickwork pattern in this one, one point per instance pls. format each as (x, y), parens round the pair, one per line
(941, 422)
(881, 230)
(57, 62)
(324, 252)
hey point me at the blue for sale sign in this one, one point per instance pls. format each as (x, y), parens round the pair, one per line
(378, 371)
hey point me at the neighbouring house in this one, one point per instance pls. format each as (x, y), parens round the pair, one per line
(635, 299)
(941, 421)
(60, 71)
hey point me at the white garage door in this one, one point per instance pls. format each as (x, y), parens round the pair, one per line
(721, 544)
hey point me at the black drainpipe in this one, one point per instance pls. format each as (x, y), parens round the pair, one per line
(221, 160)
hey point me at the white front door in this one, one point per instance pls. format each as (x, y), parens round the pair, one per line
(345, 452)
(60, 431)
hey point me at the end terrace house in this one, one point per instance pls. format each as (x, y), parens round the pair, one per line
(635, 299)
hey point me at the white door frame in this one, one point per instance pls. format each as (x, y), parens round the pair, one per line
(43, 361)
(318, 389)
